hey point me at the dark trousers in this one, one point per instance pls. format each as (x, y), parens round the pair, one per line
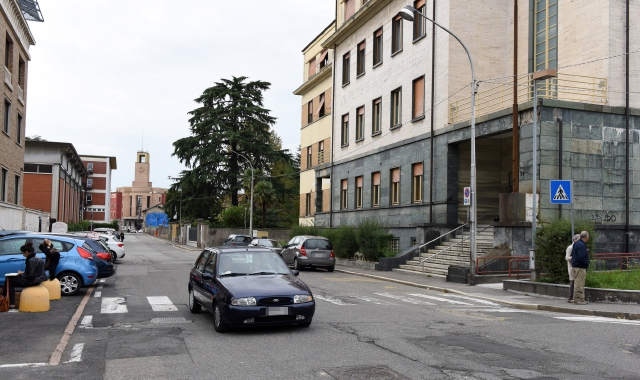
(53, 265)
(13, 282)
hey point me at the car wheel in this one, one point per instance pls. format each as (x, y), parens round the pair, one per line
(70, 283)
(113, 256)
(194, 306)
(218, 324)
(296, 265)
(330, 269)
(305, 324)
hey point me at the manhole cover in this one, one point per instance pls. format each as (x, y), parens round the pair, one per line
(379, 372)
(170, 320)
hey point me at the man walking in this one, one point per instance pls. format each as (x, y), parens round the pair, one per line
(580, 264)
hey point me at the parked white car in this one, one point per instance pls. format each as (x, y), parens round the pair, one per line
(114, 244)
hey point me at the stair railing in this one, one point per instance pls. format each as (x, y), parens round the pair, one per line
(449, 247)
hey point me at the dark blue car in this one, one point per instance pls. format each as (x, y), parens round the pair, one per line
(248, 287)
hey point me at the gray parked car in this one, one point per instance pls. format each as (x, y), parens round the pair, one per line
(273, 245)
(237, 240)
(309, 251)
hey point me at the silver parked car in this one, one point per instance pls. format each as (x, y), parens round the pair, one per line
(309, 251)
(273, 245)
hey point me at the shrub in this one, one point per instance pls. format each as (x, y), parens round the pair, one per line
(373, 239)
(552, 241)
(86, 225)
(344, 242)
(297, 230)
(233, 217)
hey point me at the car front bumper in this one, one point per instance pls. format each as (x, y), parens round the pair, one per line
(240, 315)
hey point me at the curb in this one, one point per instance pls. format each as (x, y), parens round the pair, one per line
(167, 242)
(524, 306)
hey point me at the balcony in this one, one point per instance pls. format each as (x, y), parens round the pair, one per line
(7, 78)
(324, 156)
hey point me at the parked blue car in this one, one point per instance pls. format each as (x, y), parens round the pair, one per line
(75, 270)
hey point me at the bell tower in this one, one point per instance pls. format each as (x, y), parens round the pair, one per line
(142, 169)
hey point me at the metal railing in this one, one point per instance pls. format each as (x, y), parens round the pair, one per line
(324, 156)
(516, 265)
(621, 261)
(494, 97)
(449, 247)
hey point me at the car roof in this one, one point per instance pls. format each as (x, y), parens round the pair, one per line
(64, 237)
(13, 232)
(227, 249)
(311, 237)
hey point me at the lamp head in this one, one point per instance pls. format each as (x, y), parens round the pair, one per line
(407, 13)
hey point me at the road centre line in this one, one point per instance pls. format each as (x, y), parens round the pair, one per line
(161, 303)
(113, 305)
(57, 354)
(76, 354)
(440, 299)
(332, 300)
(405, 299)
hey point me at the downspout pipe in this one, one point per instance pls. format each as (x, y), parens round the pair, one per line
(433, 91)
(516, 130)
(333, 105)
(627, 117)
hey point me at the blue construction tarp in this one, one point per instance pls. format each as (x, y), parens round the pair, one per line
(157, 219)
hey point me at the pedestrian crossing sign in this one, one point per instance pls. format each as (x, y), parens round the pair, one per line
(560, 192)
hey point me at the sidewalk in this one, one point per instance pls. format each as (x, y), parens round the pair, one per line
(495, 293)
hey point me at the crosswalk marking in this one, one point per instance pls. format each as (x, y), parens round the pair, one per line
(369, 299)
(601, 320)
(87, 322)
(440, 299)
(76, 353)
(473, 299)
(161, 303)
(113, 305)
(97, 294)
(405, 299)
(102, 280)
(332, 300)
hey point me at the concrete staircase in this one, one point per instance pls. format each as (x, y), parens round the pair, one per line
(458, 254)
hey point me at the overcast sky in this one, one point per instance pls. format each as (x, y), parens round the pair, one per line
(103, 73)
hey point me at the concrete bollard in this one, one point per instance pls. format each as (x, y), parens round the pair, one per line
(34, 299)
(54, 289)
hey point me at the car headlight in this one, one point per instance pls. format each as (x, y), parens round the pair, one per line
(247, 301)
(302, 299)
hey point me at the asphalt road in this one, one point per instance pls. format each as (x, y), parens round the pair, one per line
(363, 329)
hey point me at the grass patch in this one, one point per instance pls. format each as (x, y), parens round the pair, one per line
(629, 280)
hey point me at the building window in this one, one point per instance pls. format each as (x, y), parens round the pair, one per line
(417, 183)
(16, 190)
(89, 199)
(148, 201)
(360, 59)
(19, 130)
(375, 189)
(309, 157)
(395, 186)
(343, 195)
(376, 117)
(344, 139)
(7, 114)
(396, 108)
(3, 185)
(130, 205)
(418, 98)
(307, 206)
(395, 245)
(345, 69)
(546, 29)
(312, 67)
(21, 72)
(349, 8)
(360, 124)
(414, 241)
(359, 192)
(324, 59)
(310, 112)
(8, 54)
(90, 167)
(89, 183)
(321, 158)
(321, 106)
(396, 35)
(377, 47)
(419, 24)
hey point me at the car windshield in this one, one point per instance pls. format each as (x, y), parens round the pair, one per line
(251, 263)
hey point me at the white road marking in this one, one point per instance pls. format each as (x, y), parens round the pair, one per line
(369, 299)
(473, 299)
(500, 310)
(601, 320)
(440, 299)
(76, 353)
(101, 286)
(102, 280)
(87, 322)
(97, 294)
(161, 303)
(405, 299)
(113, 305)
(332, 300)
(23, 365)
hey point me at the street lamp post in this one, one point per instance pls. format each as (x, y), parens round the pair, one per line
(251, 204)
(408, 13)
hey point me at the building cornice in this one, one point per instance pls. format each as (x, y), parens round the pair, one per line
(13, 13)
(364, 14)
(314, 80)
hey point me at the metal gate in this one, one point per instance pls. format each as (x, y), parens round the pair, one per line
(193, 233)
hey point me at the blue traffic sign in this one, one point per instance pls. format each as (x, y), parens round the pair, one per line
(560, 191)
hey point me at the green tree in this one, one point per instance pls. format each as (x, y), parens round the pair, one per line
(265, 195)
(231, 121)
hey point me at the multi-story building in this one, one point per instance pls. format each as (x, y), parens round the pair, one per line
(15, 50)
(401, 112)
(98, 187)
(315, 136)
(141, 195)
(53, 180)
(115, 206)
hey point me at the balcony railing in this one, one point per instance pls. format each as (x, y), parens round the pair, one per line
(7, 77)
(20, 94)
(324, 156)
(493, 96)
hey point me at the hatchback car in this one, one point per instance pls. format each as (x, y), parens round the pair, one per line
(309, 251)
(273, 245)
(248, 287)
(237, 240)
(114, 244)
(75, 270)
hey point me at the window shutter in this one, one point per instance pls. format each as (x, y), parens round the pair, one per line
(305, 115)
(303, 160)
(350, 8)
(361, 111)
(327, 102)
(395, 175)
(376, 178)
(316, 108)
(344, 184)
(417, 169)
(312, 67)
(316, 113)
(321, 146)
(323, 55)
(359, 182)
(378, 32)
(361, 46)
(345, 118)
(418, 97)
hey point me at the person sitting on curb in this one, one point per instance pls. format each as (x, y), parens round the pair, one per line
(33, 274)
(567, 257)
(580, 264)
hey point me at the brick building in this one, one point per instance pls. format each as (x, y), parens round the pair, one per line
(98, 187)
(401, 116)
(115, 206)
(54, 176)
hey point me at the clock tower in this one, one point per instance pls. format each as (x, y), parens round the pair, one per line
(141, 175)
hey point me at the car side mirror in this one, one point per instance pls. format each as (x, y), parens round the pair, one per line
(207, 276)
(295, 272)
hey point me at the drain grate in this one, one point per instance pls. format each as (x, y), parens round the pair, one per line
(170, 320)
(379, 372)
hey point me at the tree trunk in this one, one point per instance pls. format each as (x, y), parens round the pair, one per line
(264, 215)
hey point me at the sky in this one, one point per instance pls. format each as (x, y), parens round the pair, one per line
(113, 77)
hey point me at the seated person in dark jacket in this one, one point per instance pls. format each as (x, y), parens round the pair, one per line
(32, 275)
(53, 257)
